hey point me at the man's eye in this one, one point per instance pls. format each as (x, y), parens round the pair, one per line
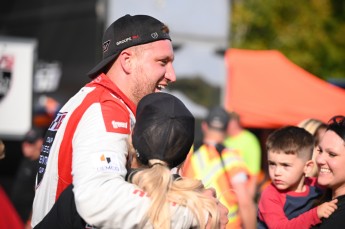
(164, 62)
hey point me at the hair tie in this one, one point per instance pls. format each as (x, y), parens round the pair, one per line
(157, 162)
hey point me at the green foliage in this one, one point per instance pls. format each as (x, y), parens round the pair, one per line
(310, 33)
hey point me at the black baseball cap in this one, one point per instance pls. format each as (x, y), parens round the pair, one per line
(164, 129)
(33, 135)
(218, 118)
(126, 32)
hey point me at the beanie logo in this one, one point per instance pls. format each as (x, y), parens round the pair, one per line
(124, 40)
(154, 35)
(106, 45)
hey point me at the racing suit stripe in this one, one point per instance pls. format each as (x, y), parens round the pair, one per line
(65, 154)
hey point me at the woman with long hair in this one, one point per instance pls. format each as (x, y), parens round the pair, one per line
(331, 161)
(162, 137)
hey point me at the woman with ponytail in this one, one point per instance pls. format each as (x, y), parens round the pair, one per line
(161, 140)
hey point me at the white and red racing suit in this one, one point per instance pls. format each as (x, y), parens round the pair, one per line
(86, 145)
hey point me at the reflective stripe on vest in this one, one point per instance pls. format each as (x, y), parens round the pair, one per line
(208, 167)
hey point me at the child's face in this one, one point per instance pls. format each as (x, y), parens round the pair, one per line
(286, 171)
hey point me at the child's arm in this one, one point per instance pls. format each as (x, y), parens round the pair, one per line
(272, 214)
(326, 209)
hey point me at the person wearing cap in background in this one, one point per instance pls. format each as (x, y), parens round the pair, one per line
(248, 147)
(87, 144)
(316, 128)
(160, 141)
(222, 168)
(23, 189)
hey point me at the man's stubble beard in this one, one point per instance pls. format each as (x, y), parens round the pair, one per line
(142, 85)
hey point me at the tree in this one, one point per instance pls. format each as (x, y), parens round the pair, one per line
(198, 91)
(309, 33)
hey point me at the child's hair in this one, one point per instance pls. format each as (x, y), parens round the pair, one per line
(165, 191)
(291, 140)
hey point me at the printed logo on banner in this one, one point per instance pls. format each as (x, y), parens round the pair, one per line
(6, 68)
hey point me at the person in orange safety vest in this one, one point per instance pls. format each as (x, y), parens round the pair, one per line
(224, 170)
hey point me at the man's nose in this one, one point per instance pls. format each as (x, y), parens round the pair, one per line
(170, 73)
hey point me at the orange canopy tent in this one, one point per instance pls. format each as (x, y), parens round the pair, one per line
(269, 91)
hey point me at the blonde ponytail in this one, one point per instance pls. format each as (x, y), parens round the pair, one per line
(158, 183)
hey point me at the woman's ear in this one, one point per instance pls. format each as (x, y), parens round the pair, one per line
(308, 167)
(131, 150)
(134, 163)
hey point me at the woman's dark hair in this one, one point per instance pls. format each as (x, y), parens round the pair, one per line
(337, 124)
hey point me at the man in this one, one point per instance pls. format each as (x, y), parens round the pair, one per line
(224, 170)
(156, 113)
(248, 147)
(87, 142)
(23, 190)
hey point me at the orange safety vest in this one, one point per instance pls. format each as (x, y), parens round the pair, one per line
(216, 171)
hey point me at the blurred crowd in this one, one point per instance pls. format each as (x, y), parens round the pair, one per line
(229, 160)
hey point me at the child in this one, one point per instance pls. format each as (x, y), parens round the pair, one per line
(287, 202)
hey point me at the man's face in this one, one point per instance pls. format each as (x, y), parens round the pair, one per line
(286, 171)
(32, 150)
(153, 69)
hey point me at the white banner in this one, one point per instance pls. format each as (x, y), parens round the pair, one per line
(17, 58)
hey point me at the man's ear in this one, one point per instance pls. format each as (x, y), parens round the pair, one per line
(125, 58)
(309, 165)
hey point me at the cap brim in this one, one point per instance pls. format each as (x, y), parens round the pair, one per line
(97, 69)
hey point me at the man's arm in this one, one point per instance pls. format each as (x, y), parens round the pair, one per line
(102, 196)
